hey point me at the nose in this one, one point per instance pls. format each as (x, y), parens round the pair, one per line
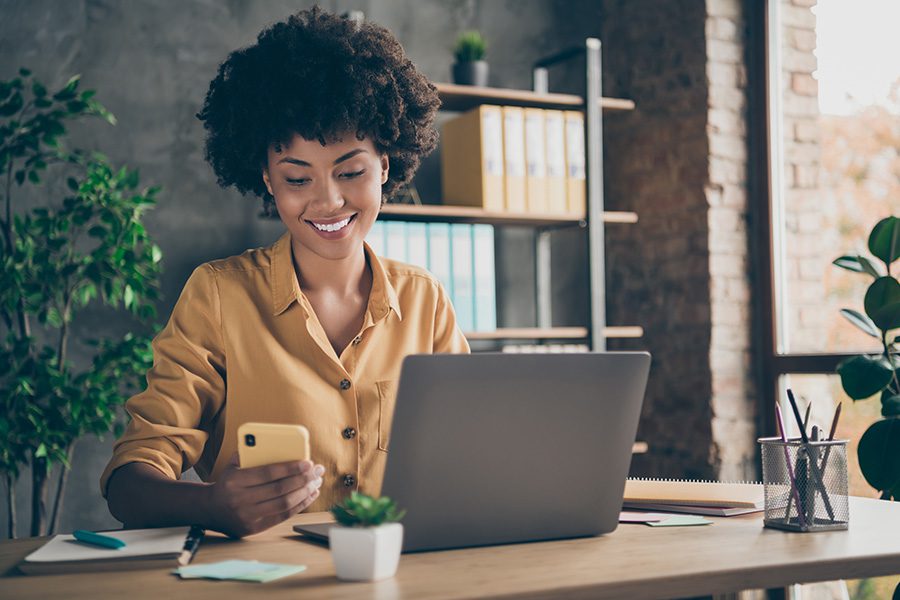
(328, 197)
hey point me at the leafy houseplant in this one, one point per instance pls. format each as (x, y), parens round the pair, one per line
(470, 67)
(867, 375)
(366, 544)
(88, 247)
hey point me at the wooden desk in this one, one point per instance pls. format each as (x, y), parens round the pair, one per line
(635, 561)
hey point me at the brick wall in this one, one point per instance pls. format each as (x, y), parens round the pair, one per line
(680, 161)
(805, 247)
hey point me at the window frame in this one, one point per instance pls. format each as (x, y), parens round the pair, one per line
(766, 210)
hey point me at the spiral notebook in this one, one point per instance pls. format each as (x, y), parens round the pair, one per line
(703, 497)
(145, 549)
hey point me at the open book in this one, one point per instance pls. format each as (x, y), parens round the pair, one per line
(144, 549)
(699, 497)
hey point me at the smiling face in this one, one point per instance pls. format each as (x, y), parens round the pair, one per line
(327, 196)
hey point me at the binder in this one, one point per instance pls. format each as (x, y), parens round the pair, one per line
(485, 280)
(375, 239)
(462, 264)
(472, 159)
(417, 244)
(535, 161)
(439, 262)
(514, 159)
(576, 184)
(554, 130)
(395, 240)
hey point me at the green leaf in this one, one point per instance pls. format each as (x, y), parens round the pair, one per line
(20, 177)
(155, 253)
(879, 454)
(849, 262)
(41, 451)
(24, 72)
(38, 89)
(12, 105)
(72, 183)
(884, 241)
(864, 376)
(890, 404)
(881, 295)
(861, 321)
(129, 296)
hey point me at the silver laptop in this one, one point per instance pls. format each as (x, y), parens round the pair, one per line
(500, 448)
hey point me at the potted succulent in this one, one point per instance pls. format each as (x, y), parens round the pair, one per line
(470, 67)
(866, 375)
(365, 545)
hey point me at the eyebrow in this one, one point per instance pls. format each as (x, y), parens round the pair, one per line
(340, 159)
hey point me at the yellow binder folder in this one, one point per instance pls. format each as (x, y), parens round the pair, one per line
(554, 129)
(472, 159)
(576, 184)
(535, 161)
(514, 159)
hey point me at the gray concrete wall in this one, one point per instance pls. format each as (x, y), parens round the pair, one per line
(151, 63)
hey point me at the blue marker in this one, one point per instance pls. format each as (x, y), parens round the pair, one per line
(98, 539)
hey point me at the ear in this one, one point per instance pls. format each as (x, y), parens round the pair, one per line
(267, 181)
(385, 167)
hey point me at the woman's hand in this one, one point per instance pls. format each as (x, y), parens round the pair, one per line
(246, 501)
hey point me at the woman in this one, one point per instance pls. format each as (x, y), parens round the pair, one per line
(322, 118)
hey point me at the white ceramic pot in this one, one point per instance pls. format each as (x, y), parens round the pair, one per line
(366, 553)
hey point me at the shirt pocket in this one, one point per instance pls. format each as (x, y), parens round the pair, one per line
(387, 394)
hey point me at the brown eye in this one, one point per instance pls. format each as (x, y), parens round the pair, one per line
(353, 174)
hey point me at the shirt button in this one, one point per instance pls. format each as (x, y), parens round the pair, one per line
(349, 433)
(345, 384)
(349, 480)
(357, 340)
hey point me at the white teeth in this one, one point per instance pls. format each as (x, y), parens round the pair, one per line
(333, 226)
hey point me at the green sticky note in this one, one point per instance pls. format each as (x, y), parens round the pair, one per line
(239, 570)
(681, 521)
(270, 575)
(226, 569)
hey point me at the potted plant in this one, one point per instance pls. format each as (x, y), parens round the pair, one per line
(866, 375)
(366, 544)
(89, 246)
(470, 67)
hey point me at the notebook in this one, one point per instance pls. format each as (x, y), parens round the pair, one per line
(145, 549)
(656, 493)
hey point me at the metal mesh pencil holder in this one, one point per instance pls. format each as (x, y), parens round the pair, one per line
(805, 484)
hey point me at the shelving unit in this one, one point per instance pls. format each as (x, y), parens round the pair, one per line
(462, 98)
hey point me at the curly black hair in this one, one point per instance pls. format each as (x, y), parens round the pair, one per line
(317, 75)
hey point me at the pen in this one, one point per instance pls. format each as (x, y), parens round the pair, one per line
(97, 539)
(191, 544)
(779, 420)
(813, 467)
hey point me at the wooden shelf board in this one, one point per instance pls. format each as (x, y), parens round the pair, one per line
(552, 333)
(464, 97)
(469, 214)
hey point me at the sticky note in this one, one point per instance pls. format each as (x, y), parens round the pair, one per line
(681, 521)
(240, 570)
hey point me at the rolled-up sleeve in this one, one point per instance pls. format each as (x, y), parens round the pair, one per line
(185, 388)
(448, 338)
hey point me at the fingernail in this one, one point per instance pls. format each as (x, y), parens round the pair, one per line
(320, 470)
(305, 466)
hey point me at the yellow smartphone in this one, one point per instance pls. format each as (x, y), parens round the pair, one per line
(269, 443)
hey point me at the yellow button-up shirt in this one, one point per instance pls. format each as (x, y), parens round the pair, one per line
(244, 344)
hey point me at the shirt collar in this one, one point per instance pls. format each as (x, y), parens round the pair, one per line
(286, 289)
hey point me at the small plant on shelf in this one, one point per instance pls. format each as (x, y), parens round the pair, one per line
(470, 67)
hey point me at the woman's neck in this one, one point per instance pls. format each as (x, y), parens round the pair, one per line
(344, 277)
